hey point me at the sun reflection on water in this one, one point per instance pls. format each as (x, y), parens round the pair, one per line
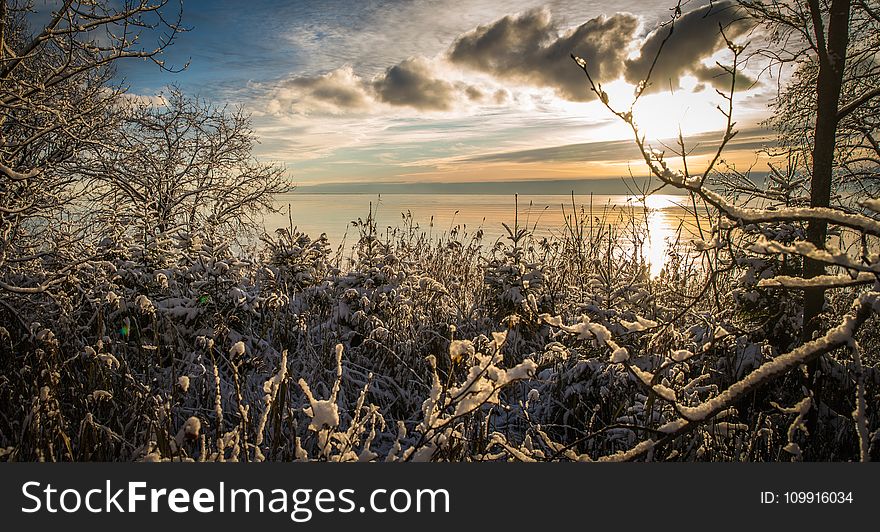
(661, 231)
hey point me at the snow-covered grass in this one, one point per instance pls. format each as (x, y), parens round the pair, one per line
(432, 348)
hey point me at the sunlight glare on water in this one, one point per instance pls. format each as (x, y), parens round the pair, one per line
(663, 228)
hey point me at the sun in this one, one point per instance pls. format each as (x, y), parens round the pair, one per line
(690, 108)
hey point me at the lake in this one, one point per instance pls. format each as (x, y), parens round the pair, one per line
(667, 216)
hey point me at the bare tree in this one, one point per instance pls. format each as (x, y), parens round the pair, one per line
(183, 163)
(54, 101)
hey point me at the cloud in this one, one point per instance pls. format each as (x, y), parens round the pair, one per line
(411, 83)
(696, 37)
(529, 48)
(335, 92)
(623, 150)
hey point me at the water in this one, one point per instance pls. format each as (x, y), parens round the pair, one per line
(667, 216)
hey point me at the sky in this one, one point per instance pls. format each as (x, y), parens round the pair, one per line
(419, 93)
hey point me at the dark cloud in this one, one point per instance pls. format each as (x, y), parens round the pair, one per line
(696, 37)
(529, 48)
(474, 94)
(480, 95)
(411, 83)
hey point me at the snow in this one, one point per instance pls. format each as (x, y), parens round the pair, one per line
(802, 408)
(673, 426)
(461, 349)
(237, 349)
(478, 388)
(788, 214)
(809, 250)
(793, 448)
(183, 383)
(641, 324)
(499, 338)
(425, 453)
(112, 299)
(828, 281)
(109, 360)
(702, 245)
(270, 391)
(587, 329)
(523, 370)
(601, 334)
(102, 395)
(192, 427)
(860, 413)
(367, 455)
(620, 354)
(322, 413)
(680, 355)
(429, 284)
(647, 379)
(638, 450)
(144, 304)
(153, 457)
(237, 295)
(482, 385)
(499, 439)
(270, 387)
(873, 204)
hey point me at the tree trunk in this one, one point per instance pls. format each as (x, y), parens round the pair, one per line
(832, 60)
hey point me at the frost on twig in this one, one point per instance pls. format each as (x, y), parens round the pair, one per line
(801, 409)
(860, 413)
(587, 329)
(270, 388)
(827, 281)
(445, 406)
(324, 413)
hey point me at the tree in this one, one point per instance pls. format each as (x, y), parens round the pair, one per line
(55, 98)
(183, 163)
(797, 34)
(828, 112)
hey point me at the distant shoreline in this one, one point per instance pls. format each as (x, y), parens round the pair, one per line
(549, 187)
